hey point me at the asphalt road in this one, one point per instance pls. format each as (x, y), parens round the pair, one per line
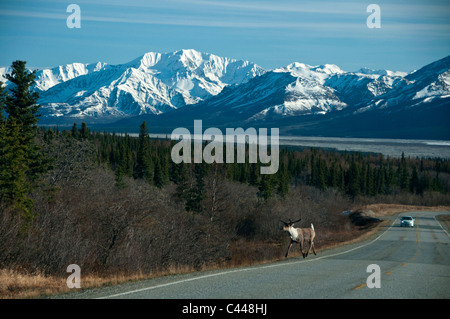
(413, 263)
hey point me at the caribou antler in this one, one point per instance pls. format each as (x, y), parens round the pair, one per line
(290, 222)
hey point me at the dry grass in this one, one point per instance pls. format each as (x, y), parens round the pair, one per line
(21, 285)
(15, 284)
(380, 210)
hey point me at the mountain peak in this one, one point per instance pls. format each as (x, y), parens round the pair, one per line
(319, 73)
(368, 71)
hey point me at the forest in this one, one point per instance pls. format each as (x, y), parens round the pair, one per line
(115, 203)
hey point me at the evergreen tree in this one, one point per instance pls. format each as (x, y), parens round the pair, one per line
(370, 181)
(437, 185)
(14, 184)
(21, 160)
(313, 175)
(266, 186)
(341, 178)
(197, 192)
(381, 180)
(182, 181)
(74, 130)
(414, 183)
(404, 177)
(21, 105)
(84, 132)
(254, 174)
(123, 164)
(424, 182)
(283, 179)
(354, 179)
(2, 103)
(321, 174)
(334, 176)
(158, 176)
(390, 179)
(144, 165)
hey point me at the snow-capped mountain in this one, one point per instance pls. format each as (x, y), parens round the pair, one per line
(151, 84)
(325, 101)
(276, 93)
(300, 89)
(47, 78)
(178, 87)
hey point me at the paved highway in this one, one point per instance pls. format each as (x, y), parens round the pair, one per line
(413, 263)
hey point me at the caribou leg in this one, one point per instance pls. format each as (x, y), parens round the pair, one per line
(289, 247)
(301, 248)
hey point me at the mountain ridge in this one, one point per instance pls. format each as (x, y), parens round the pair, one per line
(179, 86)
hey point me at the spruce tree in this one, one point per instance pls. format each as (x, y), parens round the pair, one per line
(403, 173)
(158, 175)
(84, 132)
(283, 179)
(21, 105)
(21, 160)
(370, 182)
(254, 174)
(321, 173)
(2, 103)
(144, 166)
(74, 130)
(414, 182)
(354, 179)
(196, 194)
(266, 186)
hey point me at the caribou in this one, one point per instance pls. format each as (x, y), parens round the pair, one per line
(300, 235)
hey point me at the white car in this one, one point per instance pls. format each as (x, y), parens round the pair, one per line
(407, 221)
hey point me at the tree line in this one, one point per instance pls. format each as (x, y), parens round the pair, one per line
(352, 173)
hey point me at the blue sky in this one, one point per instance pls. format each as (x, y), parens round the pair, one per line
(269, 33)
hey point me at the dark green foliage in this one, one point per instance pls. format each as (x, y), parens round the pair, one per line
(21, 161)
(197, 192)
(144, 164)
(266, 186)
(354, 179)
(84, 132)
(414, 183)
(354, 174)
(74, 130)
(21, 105)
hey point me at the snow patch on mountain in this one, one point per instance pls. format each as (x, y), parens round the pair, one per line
(317, 73)
(48, 78)
(440, 87)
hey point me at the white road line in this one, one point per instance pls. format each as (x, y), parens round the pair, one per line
(245, 269)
